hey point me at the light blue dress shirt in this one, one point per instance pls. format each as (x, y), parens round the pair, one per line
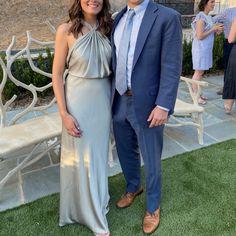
(137, 20)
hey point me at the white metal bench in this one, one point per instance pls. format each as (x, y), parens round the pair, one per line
(43, 130)
(188, 110)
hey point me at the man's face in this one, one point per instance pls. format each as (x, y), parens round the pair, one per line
(134, 3)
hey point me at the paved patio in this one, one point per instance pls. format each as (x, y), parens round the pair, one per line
(42, 178)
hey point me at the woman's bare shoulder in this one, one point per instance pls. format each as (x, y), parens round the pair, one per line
(64, 28)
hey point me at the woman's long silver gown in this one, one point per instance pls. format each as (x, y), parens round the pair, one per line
(84, 193)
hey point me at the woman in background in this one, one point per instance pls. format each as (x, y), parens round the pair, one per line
(203, 40)
(84, 106)
(229, 91)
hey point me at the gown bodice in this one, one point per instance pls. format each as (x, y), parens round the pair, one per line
(90, 55)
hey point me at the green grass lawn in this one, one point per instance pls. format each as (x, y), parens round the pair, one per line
(199, 199)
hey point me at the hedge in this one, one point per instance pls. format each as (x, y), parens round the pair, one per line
(22, 71)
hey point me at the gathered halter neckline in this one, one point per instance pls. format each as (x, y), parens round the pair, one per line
(85, 23)
(92, 30)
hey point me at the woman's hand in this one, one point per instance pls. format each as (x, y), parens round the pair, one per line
(71, 125)
(218, 28)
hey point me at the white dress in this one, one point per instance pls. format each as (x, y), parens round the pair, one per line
(84, 193)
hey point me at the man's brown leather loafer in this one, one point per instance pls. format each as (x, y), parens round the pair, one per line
(128, 198)
(151, 222)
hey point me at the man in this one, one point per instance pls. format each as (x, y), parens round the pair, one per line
(226, 17)
(147, 55)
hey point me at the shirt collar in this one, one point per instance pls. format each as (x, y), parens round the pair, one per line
(140, 8)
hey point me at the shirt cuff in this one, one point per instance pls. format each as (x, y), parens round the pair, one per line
(163, 108)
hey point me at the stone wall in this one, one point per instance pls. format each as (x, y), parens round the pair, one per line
(17, 16)
(185, 7)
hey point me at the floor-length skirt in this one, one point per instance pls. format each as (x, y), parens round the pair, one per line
(84, 161)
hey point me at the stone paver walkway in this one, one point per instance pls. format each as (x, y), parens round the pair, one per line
(42, 178)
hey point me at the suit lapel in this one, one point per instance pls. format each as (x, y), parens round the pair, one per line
(116, 21)
(148, 19)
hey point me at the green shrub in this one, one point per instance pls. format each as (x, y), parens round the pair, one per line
(218, 63)
(10, 88)
(187, 66)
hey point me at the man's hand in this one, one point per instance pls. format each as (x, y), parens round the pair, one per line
(157, 117)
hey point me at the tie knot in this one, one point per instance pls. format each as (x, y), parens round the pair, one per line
(131, 13)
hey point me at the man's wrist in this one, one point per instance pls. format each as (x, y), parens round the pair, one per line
(163, 108)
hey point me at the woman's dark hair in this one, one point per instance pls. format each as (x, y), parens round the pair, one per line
(76, 15)
(202, 4)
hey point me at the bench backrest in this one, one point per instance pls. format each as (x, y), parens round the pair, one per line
(33, 89)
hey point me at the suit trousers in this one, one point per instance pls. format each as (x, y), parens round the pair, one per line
(131, 138)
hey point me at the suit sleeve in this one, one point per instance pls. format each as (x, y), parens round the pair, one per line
(171, 63)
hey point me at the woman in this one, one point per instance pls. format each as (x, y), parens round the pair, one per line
(84, 106)
(229, 91)
(203, 39)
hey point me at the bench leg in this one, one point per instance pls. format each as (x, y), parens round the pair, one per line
(53, 153)
(16, 169)
(199, 121)
(26, 162)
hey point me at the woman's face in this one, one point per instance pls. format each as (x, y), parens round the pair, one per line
(210, 5)
(91, 7)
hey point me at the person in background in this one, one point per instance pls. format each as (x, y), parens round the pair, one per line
(203, 39)
(226, 17)
(229, 90)
(85, 107)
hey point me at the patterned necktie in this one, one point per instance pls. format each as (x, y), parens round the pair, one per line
(121, 69)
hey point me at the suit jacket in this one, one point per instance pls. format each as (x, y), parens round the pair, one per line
(157, 60)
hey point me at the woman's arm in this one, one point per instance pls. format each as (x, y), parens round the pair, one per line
(232, 33)
(200, 24)
(61, 51)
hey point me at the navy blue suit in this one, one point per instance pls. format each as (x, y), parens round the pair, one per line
(155, 76)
